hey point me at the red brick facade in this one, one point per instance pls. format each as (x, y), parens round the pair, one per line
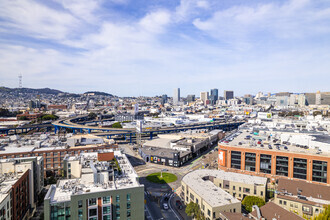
(224, 162)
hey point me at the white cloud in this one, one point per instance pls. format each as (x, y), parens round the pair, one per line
(295, 19)
(33, 19)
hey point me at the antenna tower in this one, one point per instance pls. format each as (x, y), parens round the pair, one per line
(20, 80)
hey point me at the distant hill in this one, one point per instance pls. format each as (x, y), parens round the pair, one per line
(29, 90)
(98, 93)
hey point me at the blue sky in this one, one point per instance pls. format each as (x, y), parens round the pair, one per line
(150, 47)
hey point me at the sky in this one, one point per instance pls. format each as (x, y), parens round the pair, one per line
(150, 47)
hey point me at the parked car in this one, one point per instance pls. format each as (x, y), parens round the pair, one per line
(179, 204)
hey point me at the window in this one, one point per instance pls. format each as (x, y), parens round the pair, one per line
(129, 213)
(92, 212)
(255, 192)
(284, 202)
(80, 204)
(208, 212)
(281, 202)
(261, 193)
(128, 205)
(213, 214)
(117, 207)
(106, 200)
(233, 187)
(117, 198)
(240, 189)
(128, 197)
(192, 196)
(106, 210)
(92, 202)
(107, 217)
(196, 200)
(234, 210)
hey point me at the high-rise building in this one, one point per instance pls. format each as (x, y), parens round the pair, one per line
(214, 96)
(99, 185)
(204, 97)
(318, 98)
(190, 98)
(176, 96)
(228, 94)
(164, 99)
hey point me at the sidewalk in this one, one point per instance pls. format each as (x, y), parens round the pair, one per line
(181, 212)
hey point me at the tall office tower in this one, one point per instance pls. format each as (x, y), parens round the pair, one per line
(190, 98)
(318, 98)
(214, 96)
(228, 94)
(301, 100)
(176, 96)
(164, 99)
(204, 97)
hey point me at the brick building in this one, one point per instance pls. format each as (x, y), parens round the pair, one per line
(273, 160)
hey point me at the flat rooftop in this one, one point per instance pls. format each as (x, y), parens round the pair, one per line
(64, 189)
(213, 195)
(239, 140)
(6, 183)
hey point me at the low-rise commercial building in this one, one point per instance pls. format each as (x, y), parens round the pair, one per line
(217, 191)
(101, 185)
(176, 149)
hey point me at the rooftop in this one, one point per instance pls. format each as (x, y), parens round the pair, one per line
(91, 180)
(271, 141)
(213, 195)
(273, 211)
(301, 190)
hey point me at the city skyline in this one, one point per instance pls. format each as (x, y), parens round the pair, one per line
(137, 48)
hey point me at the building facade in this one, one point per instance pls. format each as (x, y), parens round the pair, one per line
(176, 96)
(103, 187)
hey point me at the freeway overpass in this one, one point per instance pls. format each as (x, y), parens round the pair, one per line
(130, 132)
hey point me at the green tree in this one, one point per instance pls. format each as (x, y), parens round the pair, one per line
(325, 215)
(117, 125)
(22, 118)
(49, 117)
(193, 210)
(92, 115)
(250, 201)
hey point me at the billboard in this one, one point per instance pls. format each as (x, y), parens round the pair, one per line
(222, 158)
(264, 115)
(139, 124)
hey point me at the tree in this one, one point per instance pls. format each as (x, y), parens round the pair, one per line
(22, 118)
(193, 209)
(250, 201)
(92, 115)
(117, 125)
(49, 117)
(325, 215)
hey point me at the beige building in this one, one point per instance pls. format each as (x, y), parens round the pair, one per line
(217, 191)
(302, 198)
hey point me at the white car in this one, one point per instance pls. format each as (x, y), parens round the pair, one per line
(165, 206)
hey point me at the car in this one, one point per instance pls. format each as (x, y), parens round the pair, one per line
(239, 143)
(165, 206)
(270, 147)
(261, 145)
(259, 142)
(206, 165)
(164, 170)
(285, 147)
(179, 204)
